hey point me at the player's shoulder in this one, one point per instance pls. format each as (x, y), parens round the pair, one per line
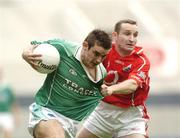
(141, 54)
(60, 41)
(64, 45)
(138, 50)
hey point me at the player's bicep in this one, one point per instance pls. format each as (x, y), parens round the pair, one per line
(140, 75)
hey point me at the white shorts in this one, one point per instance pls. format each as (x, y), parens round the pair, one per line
(108, 121)
(7, 121)
(38, 113)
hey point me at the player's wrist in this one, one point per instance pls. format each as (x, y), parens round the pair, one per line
(110, 90)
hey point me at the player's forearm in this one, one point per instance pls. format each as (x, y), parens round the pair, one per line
(125, 87)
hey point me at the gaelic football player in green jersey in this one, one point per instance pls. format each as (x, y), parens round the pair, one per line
(9, 109)
(71, 92)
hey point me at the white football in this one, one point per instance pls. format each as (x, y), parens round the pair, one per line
(50, 58)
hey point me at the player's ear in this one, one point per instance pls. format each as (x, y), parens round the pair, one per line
(114, 35)
(85, 45)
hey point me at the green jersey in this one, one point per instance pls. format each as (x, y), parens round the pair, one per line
(69, 90)
(6, 98)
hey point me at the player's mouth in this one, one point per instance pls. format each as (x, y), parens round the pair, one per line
(130, 45)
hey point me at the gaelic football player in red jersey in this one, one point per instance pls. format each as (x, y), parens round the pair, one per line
(122, 113)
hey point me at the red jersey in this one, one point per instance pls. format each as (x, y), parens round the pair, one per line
(135, 66)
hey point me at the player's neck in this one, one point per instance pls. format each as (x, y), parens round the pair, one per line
(123, 52)
(92, 72)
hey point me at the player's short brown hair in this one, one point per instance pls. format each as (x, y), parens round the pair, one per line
(117, 27)
(99, 37)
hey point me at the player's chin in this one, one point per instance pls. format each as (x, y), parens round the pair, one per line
(129, 48)
(92, 65)
(95, 64)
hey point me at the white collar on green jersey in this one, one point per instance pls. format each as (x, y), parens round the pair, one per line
(99, 70)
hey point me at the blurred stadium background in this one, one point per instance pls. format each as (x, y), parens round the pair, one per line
(26, 20)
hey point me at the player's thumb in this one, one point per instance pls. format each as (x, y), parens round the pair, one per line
(104, 86)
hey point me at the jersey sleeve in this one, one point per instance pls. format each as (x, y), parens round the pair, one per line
(140, 72)
(60, 44)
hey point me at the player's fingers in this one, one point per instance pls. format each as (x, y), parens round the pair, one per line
(34, 55)
(34, 64)
(34, 46)
(32, 59)
(35, 59)
(104, 92)
(109, 92)
(104, 86)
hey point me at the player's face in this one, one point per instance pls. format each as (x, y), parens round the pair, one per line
(127, 37)
(93, 56)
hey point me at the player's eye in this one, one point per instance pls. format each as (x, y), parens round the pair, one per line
(96, 53)
(136, 34)
(127, 33)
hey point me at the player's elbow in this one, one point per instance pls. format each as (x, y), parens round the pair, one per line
(132, 86)
(131, 90)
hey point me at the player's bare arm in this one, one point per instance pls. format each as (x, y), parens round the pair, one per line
(125, 87)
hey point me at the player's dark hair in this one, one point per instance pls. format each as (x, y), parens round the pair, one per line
(99, 37)
(117, 27)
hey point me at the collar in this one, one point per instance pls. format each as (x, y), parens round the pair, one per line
(77, 54)
(99, 74)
